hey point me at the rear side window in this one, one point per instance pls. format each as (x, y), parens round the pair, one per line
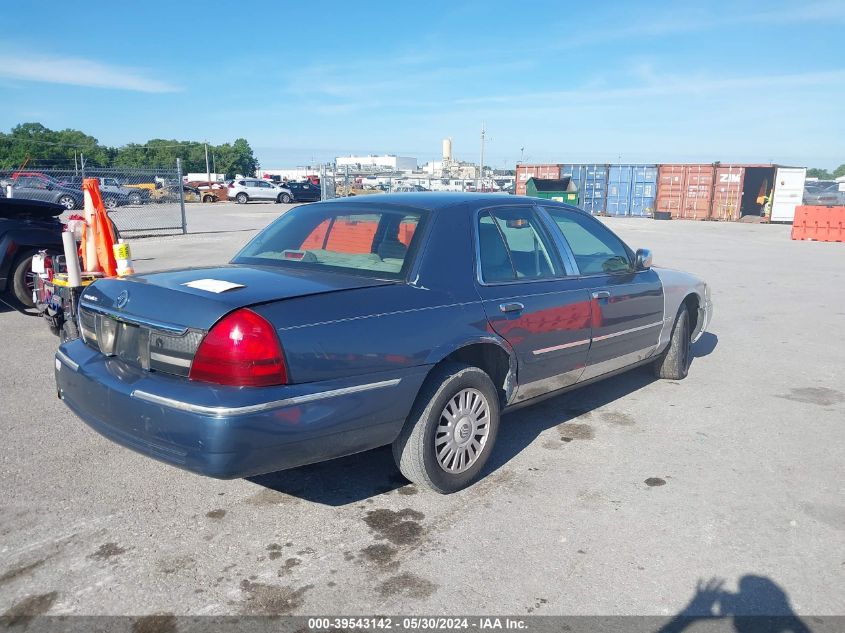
(372, 242)
(596, 249)
(512, 246)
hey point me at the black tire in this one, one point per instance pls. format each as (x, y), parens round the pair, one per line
(242, 198)
(67, 201)
(415, 448)
(134, 198)
(673, 364)
(285, 198)
(208, 198)
(22, 284)
(110, 202)
(69, 331)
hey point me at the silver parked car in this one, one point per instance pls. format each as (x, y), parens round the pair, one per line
(246, 189)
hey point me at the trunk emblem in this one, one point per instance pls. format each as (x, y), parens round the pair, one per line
(122, 299)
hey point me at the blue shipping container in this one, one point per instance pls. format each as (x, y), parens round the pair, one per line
(631, 189)
(591, 182)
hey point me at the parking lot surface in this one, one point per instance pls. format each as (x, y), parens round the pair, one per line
(614, 499)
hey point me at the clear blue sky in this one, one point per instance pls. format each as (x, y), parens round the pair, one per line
(569, 82)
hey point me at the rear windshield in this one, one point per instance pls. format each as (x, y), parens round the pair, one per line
(364, 241)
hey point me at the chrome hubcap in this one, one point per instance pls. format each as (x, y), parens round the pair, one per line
(462, 431)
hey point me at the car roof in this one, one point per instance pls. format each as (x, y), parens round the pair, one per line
(437, 200)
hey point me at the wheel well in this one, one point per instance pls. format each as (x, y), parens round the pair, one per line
(491, 359)
(692, 302)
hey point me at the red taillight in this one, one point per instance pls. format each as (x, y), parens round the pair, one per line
(242, 350)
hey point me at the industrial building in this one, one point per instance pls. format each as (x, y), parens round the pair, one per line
(388, 162)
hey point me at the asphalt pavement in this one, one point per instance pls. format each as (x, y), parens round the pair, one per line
(615, 499)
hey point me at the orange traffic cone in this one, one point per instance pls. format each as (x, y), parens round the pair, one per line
(98, 239)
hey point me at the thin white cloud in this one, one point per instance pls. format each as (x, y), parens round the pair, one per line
(77, 71)
(667, 85)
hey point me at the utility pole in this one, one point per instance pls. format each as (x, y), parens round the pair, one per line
(521, 155)
(481, 166)
(82, 163)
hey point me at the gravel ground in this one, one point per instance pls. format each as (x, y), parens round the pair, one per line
(614, 499)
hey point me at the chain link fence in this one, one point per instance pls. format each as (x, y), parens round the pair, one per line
(139, 201)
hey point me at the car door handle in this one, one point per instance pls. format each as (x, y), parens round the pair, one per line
(601, 294)
(511, 307)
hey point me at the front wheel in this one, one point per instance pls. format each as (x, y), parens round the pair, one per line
(134, 198)
(449, 435)
(242, 198)
(67, 202)
(673, 364)
(110, 203)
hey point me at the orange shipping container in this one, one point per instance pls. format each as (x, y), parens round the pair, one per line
(685, 191)
(541, 172)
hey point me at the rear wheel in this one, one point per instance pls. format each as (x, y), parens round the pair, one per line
(449, 435)
(285, 198)
(134, 198)
(22, 282)
(673, 364)
(242, 198)
(67, 201)
(208, 198)
(110, 202)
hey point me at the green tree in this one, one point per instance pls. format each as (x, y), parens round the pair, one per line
(821, 174)
(839, 171)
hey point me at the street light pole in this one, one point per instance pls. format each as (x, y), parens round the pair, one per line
(481, 166)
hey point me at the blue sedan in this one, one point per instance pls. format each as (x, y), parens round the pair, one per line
(408, 319)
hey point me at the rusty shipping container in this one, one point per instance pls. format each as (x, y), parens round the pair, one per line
(541, 172)
(715, 191)
(685, 191)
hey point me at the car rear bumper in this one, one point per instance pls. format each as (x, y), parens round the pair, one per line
(227, 432)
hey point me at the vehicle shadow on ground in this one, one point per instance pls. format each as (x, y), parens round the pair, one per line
(358, 477)
(10, 305)
(759, 606)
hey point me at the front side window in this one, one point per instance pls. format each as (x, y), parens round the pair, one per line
(373, 242)
(596, 249)
(513, 247)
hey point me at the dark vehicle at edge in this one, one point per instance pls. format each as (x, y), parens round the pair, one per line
(304, 191)
(26, 227)
(408, 319)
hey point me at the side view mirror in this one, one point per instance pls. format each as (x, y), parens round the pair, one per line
(643, 259)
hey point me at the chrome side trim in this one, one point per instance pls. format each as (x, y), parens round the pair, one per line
(66, 360)
(264, 406)
(623, 332)
(135, 320)
(555, 348)
(170, 360)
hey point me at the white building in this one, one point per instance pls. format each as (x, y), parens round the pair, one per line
(387, 161)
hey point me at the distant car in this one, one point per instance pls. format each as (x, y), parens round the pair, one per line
(305, 191)
(410, 320)
(247, 189)
(26, 226)
(824, 194)
(39, 187)
(111, 188)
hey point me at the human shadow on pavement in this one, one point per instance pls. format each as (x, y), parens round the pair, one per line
(357, 477)
(759, 606)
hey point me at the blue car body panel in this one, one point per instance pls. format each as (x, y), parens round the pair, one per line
(358, 348)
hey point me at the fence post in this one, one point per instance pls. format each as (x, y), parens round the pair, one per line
(181, 195)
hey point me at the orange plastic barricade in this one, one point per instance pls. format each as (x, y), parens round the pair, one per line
(820, 224)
